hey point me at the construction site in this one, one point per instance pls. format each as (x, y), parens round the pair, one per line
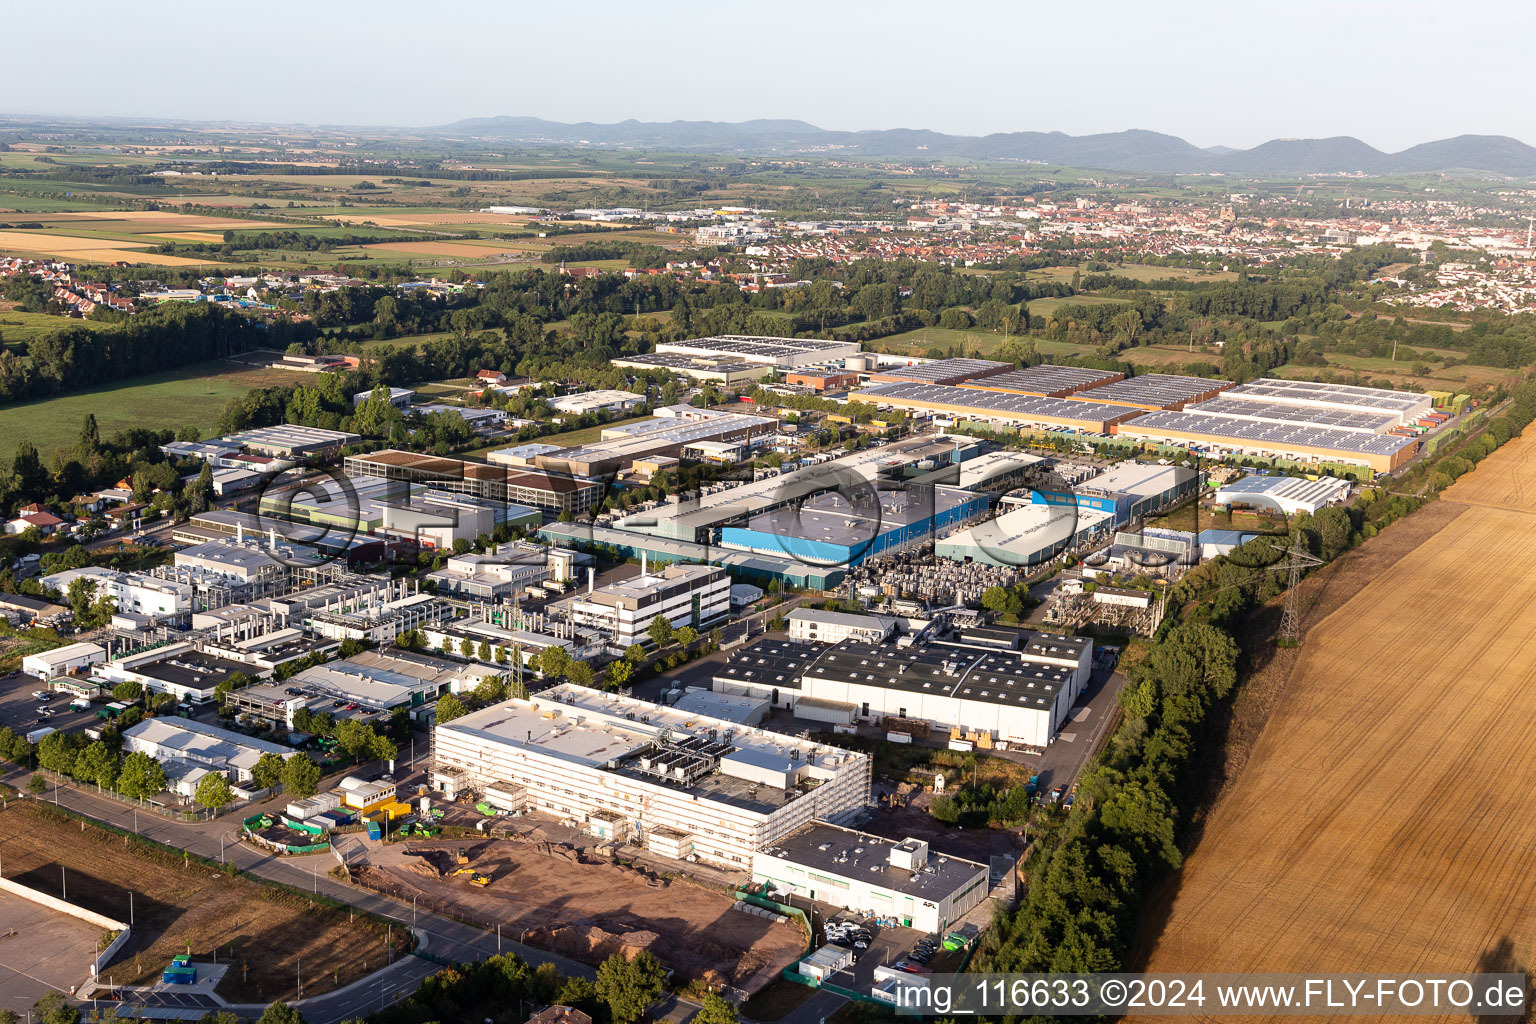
(554, 888)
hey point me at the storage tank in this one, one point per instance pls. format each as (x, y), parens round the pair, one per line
(426, 806)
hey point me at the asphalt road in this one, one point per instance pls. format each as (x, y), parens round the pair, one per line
(440, 936)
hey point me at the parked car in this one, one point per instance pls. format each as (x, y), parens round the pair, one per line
(41, 695)
(45, 711)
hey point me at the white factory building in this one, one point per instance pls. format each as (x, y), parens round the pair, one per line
(782, 353)
(139, 593)
(1287, 494)
(682, 785)
(1027, 536)
(1016, 691)
(873, 876)
(63, 661)
(182, 742)
(835, 627)
(598, 401)
(685, 594)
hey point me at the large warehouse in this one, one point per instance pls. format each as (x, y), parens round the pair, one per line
(1017, 695)
(1407, 405)
(1000, 407)
(940, 371)
(781, 353)
(683, 785)
(1047, 381)
(668, 433)
(1300, 442)
(847, 528)
(1156, 391)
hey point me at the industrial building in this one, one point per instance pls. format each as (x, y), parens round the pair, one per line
(291, 441)
(177, 669)
(939, 371)
(204, 747)
(379, 619)
(398, 510)
(1047, 381)
(779, 353)
(492, 577)
(826, 627)
(1287, 494)
(1156, 391)
(717, 369)
(769, 669)
(1297, 420)
(753, 566)
(1011, 410)
(400, 398)
(1019, 694)
(1232, 435)
(1027, 536)
(822, 378)
(522, 456)
(671, 432)
(847, 528)
(1130, 490)
(367, 685)
(684, 594)
(133, 592)
(549, 491)
(602, 400)
(682, 785)
(873, 876)
(62, 661)
(1407, 405)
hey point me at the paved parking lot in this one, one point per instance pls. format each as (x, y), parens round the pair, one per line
(40, 952)
(18, 708)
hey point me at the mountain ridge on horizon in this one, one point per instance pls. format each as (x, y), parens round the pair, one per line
(1135, 149)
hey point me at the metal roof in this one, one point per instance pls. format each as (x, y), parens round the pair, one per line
(1332, 394)
(1046, 380)
(1267, 433)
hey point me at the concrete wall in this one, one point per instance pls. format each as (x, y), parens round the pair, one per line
(42, 899)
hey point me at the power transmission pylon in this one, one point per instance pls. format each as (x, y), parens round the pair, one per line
(1290, 619)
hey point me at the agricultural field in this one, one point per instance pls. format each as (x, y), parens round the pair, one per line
(193, 396)
(1383, 821)
(1135, 271)
(261, 931)
(17, 327)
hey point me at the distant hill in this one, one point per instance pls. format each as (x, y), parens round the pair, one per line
(1134, 150)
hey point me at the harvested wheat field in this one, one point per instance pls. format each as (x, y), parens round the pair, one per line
(1386, 819)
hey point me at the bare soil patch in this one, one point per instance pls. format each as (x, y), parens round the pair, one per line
(262, 931)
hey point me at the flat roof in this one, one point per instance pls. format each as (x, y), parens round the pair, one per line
(941, 370)
(683, 362)
(1046, 380)
(1137, 478)
(986, 676)
(1370, 421)
(1279, 388)
(1289, 488)
(292, 436)
(1268, 434)
(995, 404)
(834, 850)
(833, 518)
(772, 663)
(1162, 390)
(196, 670)
(757, 345)
(885, 622)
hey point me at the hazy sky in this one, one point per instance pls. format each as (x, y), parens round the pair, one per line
(1225, 72)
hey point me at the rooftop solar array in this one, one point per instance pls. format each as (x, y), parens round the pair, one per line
(1365, 420)
(944, 370)
(771, 348)
(1267, 433)
(996, 678)
(1279, 389)
(995, 404)
(680, 361)
(1048, 381)
(1159, 389)
(1291, 488)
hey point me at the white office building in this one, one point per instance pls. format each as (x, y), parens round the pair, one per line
(684, 594)
(134, 592)
(682, 785)
(835, 627)
(204, 746)
(874, 876)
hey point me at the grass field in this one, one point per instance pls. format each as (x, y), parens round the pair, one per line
(193, 396)
(263, 932)
(16, 326)
(1384, 820)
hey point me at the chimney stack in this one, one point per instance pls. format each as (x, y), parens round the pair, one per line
(642, 563)
(239, 533)
(591, 579)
